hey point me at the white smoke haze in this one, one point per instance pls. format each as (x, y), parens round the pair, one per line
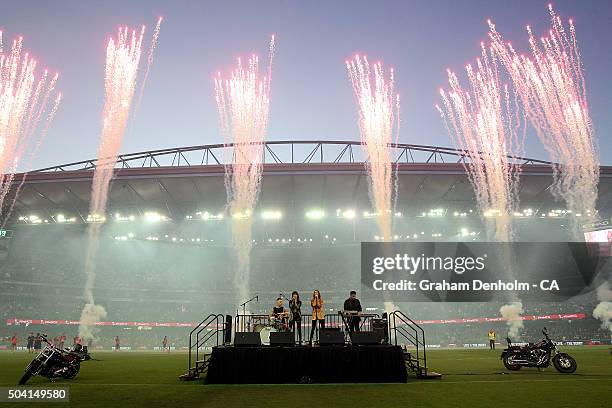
(390, 307)
(90, 315)
(243, 102)
(512, 313)
(603, 311)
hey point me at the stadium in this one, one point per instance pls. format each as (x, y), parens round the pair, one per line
(166, 242)
(314, 238)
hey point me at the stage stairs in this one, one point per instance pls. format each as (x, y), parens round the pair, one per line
(210, 332)
(406, 332)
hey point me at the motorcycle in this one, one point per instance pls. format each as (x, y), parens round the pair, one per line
(538, 355)
(53, 362)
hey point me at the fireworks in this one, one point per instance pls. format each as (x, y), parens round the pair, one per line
(152, 48)
(482, 123)
(27, 107)
(551, 87)
(378, 107)
(243, 101)
(121, 76)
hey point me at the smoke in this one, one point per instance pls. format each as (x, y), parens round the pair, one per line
(390, 307)
(512, 313)
(243, 102)
(90, 315)
(603, 311)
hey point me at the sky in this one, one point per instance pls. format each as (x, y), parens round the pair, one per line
(311, 94)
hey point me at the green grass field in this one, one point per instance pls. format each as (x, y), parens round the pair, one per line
(472, 378)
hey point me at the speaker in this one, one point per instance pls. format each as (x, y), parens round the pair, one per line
(227, 339)
(365, 337)
(379, 327)
(282, 339)
(247, 339)
(331, 337)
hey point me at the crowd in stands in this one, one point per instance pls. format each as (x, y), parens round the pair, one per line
(42, 278)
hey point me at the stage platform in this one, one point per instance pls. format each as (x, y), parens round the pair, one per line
(303, 364)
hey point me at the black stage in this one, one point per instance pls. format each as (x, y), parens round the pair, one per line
(326, 364)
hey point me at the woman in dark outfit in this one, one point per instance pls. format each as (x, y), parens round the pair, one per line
(295, 317)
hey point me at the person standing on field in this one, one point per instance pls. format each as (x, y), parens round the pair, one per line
(491, 336)
(165, 346)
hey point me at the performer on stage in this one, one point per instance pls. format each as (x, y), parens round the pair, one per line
(352, 308)
(295, 316)
(279, 314)
(318, 315)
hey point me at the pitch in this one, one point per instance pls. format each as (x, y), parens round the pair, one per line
(474, 378)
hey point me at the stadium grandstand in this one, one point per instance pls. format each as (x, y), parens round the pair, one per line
(164, 254)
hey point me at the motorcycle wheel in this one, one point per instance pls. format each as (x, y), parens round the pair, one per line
(29, 372)
(564, 363)
(509, 364)
(74, 370)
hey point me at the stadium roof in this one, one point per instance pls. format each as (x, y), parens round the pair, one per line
(329, 174)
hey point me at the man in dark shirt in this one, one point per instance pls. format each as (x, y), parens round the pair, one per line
(352, 307)
(37, 343)
(31, 342)
(279, 315)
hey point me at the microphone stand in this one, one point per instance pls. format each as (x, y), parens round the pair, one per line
(247, 302)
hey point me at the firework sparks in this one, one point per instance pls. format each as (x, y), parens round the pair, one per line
(24, 102)
(243, 102)
(121, 74)
(152, 48)
(482, 123)
(378, 107)
(552, 89)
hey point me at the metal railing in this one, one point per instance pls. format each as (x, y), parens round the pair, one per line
(212, 327)
(283, 152)
(403, 328)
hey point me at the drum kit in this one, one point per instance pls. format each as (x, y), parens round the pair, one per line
(274, 324)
